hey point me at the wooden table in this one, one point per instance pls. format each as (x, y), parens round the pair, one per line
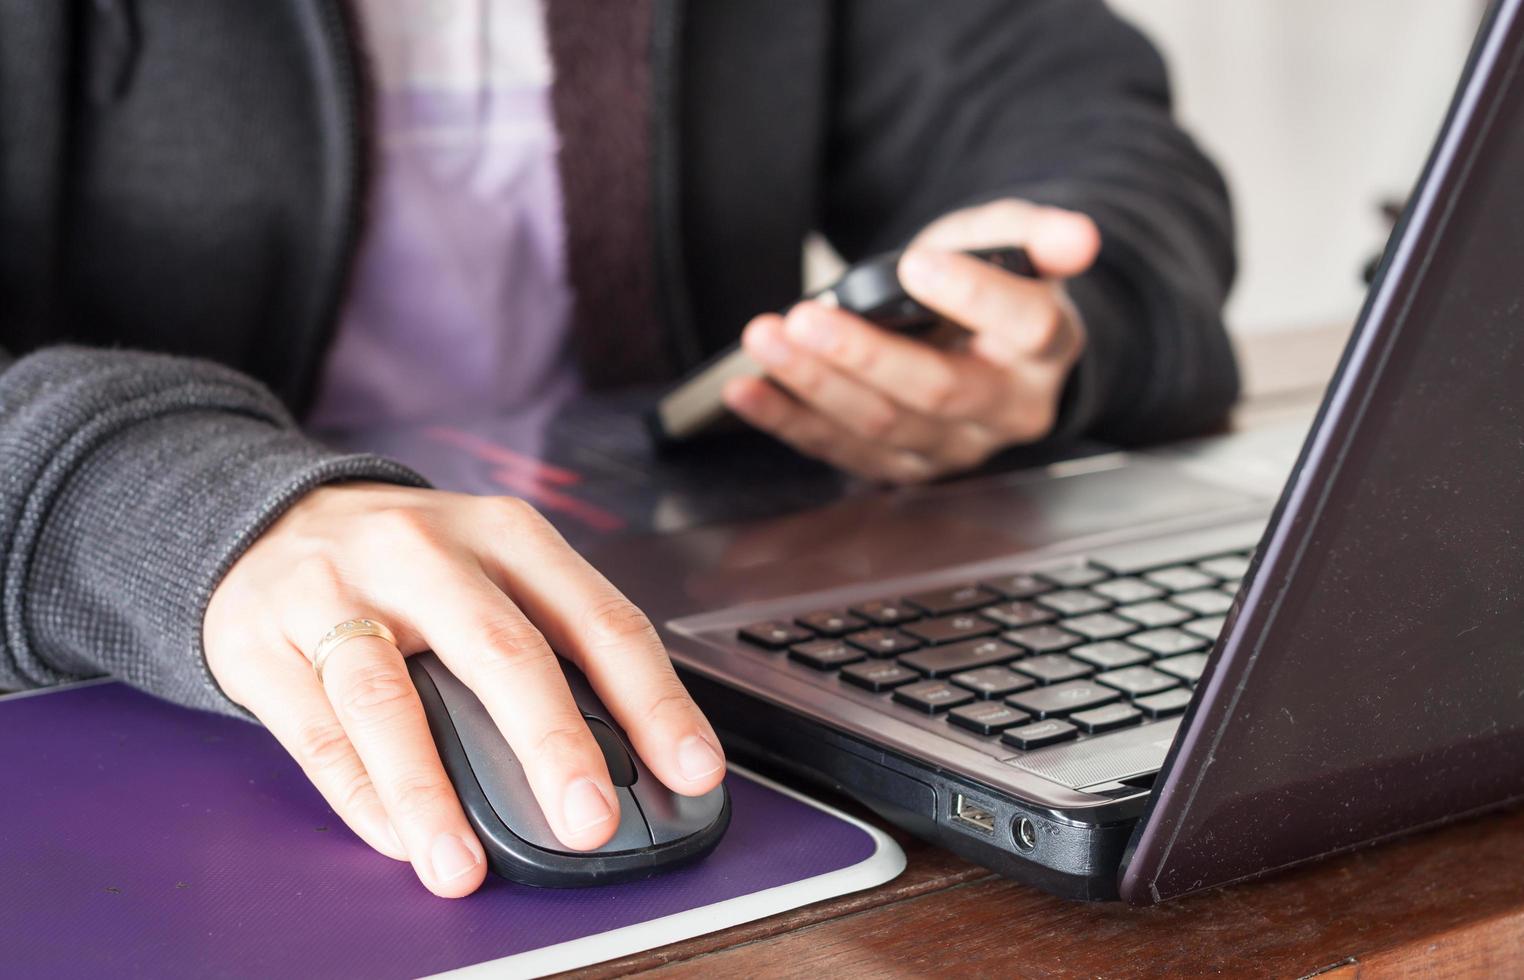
(1445, 903)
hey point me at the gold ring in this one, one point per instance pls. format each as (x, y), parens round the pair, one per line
(347, 630)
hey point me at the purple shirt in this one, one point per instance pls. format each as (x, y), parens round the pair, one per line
(459, 306)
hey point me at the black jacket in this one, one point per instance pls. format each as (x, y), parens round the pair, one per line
(188, 177)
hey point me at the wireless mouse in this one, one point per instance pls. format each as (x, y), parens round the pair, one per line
(658, 829)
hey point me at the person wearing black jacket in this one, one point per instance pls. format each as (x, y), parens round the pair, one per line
(184, 191)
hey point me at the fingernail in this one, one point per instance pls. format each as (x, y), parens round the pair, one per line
(452, 857)
(768, 347)
(812, 331)
(385, 836)
(584, 806)
(696, 758)
(923, 270)
(390, 833)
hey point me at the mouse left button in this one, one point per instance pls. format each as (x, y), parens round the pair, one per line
(621, 767)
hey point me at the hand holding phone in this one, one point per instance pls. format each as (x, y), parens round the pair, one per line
(870, 289)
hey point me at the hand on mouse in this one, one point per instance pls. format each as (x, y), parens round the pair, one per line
(493, 589)
(899, 410)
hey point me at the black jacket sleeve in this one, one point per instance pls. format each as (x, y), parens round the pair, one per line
(943, 105)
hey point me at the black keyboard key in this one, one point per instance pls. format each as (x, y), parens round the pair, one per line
(1129, 589)
(886, 612)
(825, 654)
(1100, 626)
(1043, 639)
(1208, 628)
(951, 629)
(993, 682)
(1154, 614)
(1226, 567)
(932, 696)
(1037, 735)
(1073, 576)
(878, 675)
(1106, 719)
(1204, 602)
(954, 658)
(775, 635)
(1181, 578)
(884, 642)
(1165, 705)
(1188, 668)
(1053, 668)
(1018, 586)
(962, 598)
(1014, 615)
(1063, 699)
(1167, 642)
(832, 622)
(1109, 655)
(1074, 602)
(987, 717)
(1137, 682)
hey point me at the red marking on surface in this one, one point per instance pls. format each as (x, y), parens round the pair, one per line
(552, 499)
(491, 452)
(530, 478)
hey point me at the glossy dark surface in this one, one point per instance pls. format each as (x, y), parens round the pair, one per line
(887, 534)
(1372, 678)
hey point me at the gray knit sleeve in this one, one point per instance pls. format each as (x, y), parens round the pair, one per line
(129, 483)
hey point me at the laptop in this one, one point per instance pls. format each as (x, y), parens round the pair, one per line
(1139, 675)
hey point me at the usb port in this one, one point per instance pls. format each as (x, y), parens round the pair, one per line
(971, 814)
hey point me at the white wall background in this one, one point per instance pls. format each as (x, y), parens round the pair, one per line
(1317, 110)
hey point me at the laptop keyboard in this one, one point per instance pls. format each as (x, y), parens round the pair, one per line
(1029, 659)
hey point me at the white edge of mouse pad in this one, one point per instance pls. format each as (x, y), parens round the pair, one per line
(884, 864)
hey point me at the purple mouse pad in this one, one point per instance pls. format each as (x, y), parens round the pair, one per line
(142, 839)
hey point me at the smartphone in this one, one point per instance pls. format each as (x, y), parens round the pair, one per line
(871, 289)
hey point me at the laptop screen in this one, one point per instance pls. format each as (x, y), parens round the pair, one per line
(1372, 680)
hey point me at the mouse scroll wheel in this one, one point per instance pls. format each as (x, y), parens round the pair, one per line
(621, 768)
